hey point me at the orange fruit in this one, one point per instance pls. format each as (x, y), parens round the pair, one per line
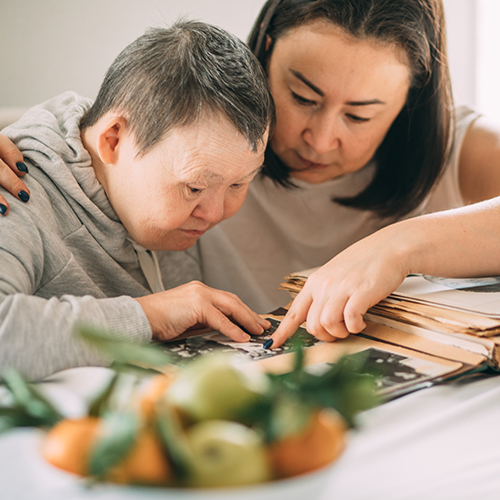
(67, 444)
(152, 392)
(321, 442)
(146, 463)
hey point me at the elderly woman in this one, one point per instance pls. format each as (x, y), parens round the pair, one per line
(166, 151)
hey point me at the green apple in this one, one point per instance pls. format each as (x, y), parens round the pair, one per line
(217, 387)
(226, 453)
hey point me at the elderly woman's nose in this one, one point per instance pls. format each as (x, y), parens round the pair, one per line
(211, 210)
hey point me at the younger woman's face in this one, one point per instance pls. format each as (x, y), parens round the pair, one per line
(336, 97)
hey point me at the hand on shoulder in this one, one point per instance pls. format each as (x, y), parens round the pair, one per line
(12, 168)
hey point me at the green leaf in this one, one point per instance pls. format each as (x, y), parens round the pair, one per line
(138, 370)
(174, 440)
(299, 355)
(289, 416)
(10, 418)
(29, 401)
(119, 432)
(101, 402)
(259, 414)
(125, 353)
(342, 386)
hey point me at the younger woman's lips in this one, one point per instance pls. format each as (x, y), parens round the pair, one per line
(310, 164)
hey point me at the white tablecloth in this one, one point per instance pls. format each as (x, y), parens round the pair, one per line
(439, 443)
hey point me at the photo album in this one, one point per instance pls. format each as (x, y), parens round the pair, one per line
(397, 369)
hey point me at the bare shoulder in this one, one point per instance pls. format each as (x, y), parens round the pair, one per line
(479, 163)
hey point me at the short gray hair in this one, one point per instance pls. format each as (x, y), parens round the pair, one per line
(173, 76)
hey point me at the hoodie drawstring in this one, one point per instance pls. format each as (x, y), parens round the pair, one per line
(148, 261)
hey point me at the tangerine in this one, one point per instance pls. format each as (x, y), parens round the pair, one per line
(146, 463)
(321, 442)
(67, 444)
(153, 392)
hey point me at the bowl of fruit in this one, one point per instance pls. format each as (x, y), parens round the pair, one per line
(212, 428)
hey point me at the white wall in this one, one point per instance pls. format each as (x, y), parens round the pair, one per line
(462, 48)
(49, 46)
(488, 63)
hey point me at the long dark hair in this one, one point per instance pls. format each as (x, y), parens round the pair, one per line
(413, 154)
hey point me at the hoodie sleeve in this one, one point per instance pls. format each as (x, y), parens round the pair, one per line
(37, 333)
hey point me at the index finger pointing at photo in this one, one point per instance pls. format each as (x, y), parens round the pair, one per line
(296, 315)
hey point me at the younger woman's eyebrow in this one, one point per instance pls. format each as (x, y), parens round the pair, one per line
(318, 91)
(311, 85)
(365, 103)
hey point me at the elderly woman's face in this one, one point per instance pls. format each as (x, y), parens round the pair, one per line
(336, 98)
(194, 178)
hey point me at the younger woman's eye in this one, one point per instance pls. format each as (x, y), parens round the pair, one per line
(357, 119)
(302, 100)
(236, 186)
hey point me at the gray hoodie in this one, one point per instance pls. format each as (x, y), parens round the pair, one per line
(65, 257)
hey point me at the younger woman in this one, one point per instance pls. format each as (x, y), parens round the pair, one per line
(366, 135)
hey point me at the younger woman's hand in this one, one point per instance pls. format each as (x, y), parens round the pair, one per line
(11, 169)
(337, 295)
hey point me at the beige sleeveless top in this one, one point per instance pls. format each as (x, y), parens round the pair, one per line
(278, 231)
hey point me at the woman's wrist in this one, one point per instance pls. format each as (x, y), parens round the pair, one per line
(410, 246)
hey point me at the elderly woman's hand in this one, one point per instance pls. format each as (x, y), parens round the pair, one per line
(11, 168)
(172, 312)
(337, 295)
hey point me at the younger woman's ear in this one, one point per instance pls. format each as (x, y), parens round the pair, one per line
(268, 42)
(112, 129)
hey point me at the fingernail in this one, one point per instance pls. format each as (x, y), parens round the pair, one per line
(265, 326)
(21, 167)
(3, 209)
(23, 196)
(268, 343)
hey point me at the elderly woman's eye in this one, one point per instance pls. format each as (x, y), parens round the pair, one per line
(194, 190)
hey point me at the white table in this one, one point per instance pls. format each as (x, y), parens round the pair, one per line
(439, 443)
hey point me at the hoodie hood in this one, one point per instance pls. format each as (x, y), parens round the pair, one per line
(49, 136)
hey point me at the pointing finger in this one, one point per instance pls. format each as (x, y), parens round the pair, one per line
(293, 319)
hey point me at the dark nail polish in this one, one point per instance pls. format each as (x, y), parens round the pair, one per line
(21, 167)
(23, 196)
(3, 209)
(268, 343)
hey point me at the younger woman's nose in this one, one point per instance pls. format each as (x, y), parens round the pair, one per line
(322, 134)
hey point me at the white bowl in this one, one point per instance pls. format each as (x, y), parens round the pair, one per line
(306, 486)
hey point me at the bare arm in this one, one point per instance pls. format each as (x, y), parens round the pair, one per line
(463, 242)
(479, 162)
